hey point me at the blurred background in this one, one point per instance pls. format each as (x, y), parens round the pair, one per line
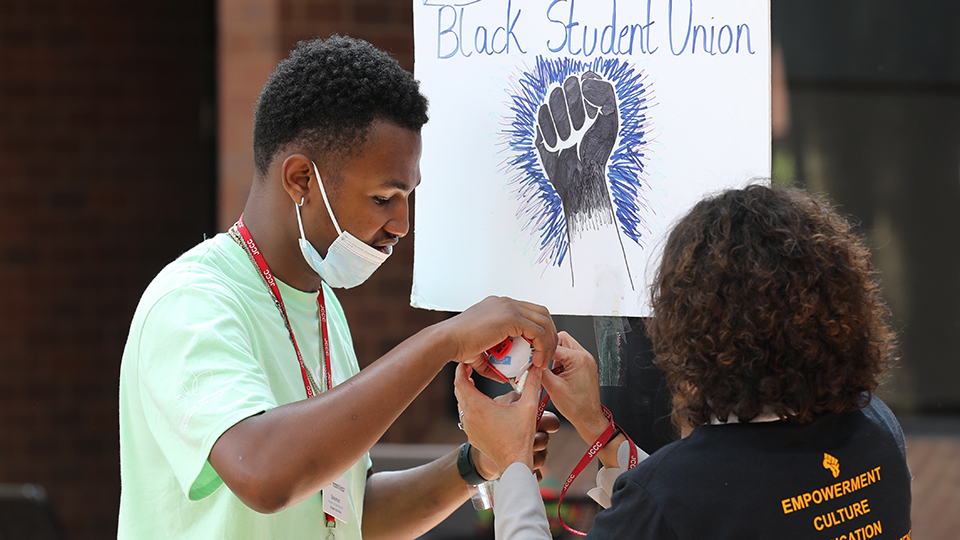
(125, 139)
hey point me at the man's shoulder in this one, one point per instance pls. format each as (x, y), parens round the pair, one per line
(214, 260)
(212, 267)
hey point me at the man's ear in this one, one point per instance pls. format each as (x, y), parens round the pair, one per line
(298, 177)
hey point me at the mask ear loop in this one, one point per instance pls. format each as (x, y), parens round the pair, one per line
(300, 221)
(326, 201)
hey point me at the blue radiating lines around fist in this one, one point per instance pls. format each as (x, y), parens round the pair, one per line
(541, 211)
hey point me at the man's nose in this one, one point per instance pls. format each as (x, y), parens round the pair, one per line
(399, 223)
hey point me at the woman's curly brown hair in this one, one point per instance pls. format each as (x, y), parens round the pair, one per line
(765, 302)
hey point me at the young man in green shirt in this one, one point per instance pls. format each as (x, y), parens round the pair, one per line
(219, 434)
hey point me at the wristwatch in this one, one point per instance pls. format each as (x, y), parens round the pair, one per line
(468, 470)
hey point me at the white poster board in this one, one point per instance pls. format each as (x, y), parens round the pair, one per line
(565, 137)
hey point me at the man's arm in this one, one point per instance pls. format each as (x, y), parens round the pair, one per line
(407, 504)
(275, 459)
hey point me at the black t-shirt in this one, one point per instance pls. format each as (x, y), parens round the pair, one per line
(841, 477)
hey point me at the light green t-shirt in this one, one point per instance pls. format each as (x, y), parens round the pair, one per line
(208, 348)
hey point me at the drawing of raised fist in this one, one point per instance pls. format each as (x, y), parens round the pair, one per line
(576, 131)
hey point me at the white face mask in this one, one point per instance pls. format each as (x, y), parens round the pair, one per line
(349, 261)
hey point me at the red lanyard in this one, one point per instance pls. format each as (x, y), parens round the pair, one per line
(272, 284)
(602, 440)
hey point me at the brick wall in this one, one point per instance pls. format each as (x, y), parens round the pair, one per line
(109, 165)
(106, 174)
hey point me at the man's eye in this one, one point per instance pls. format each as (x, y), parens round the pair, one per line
(380, 200)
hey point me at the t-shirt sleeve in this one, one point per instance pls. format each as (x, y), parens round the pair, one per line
(879, 412)
(197, 377)
(633, 513)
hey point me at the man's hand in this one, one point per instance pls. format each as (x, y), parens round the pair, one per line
(576, 132)
(486, 324)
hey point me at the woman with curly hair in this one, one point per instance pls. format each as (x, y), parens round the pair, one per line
(772, 333)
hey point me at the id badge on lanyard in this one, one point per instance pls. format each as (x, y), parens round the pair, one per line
(336, 496)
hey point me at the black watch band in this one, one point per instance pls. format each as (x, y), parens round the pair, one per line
(614, 436)
(468, 470)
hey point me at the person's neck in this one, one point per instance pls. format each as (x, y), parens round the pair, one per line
(269, 228)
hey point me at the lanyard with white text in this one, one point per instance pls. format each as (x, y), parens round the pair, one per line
(603, 439)
(608, 434)
(272, 284)
(268, 278)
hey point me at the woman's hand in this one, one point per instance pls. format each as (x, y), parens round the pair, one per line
(575, 389)
(504, 431)
(550, 423)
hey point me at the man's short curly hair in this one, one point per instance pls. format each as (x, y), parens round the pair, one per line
(327, 95)
(765, 301)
